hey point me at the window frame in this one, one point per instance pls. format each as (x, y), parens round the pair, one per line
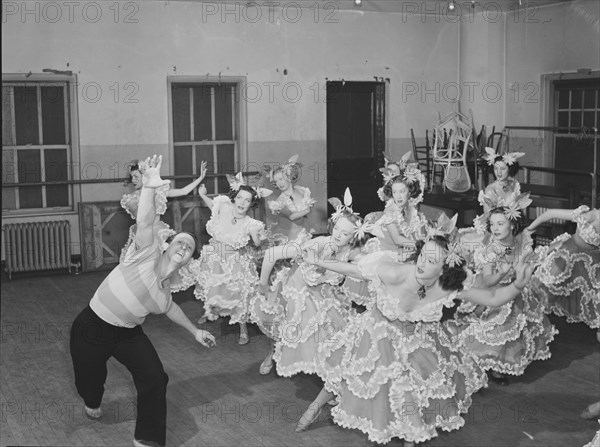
(39, 80)
(240, 109)
(548, 107)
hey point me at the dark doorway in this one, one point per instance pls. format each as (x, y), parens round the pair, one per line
(355, 141)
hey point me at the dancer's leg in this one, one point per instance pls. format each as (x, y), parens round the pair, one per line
(314, 409)
(267, 364)
(141, 359)
(244, 339)
(91, 344)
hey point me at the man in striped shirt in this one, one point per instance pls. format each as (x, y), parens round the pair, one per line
(111, 325)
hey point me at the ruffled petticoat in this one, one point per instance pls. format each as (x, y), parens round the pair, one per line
(505, 339)
(568, 281)
(300, 318)
(398, 378)
(226, 280)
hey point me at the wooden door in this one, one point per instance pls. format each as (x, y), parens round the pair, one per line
(356, 141)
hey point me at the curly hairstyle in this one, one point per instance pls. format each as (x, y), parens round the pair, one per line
(356, 220)
(233, 194)
(414, 188)
(291, 173)
(452, 278)
(518, 225)
(134, 165)
(513, 169)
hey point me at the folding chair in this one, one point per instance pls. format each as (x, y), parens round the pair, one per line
(422, 155)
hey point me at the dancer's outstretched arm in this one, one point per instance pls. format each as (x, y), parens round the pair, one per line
(344, 268)
(294, 216)
(548, 215)
(178, 192)
(146, 213)
(176, 315)
(398, 239)
(498, 297)
(202, 192)
(274, 254)
(491, 279)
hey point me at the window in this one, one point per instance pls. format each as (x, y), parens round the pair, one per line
(577, 105)
(205, 125)
(36, 145)
(576, 113)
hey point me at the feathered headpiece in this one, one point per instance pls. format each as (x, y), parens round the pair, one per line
(286, 168)
(446, 228)
(513, 204)
(409, 173)
(389, 173)
(361, 228)
(509, 158)
(238, 180)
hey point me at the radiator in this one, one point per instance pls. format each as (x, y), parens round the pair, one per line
(35, 246)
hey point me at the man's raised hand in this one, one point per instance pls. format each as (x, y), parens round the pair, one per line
(151, 172)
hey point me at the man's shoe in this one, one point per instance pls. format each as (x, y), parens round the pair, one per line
(93, 413)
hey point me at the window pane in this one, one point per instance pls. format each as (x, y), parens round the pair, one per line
(55, 161)
(53, 115)
(205, 153)
(8, 176)
(563, 99)
(183, 165)
(576, 99)
(181, 114)
(202, 113)
(7, 132)
(29, 167)
(30, 197)
(224, 94)
(225, 164)
(589, 99)
(575, 120)
(589, 119)
(26, 115)
(563, 120)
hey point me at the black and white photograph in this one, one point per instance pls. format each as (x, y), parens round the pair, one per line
(265, 223)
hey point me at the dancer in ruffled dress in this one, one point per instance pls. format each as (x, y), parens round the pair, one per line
(400, 225)
(130, 201)
(394, 368)
(506, 168)
(300, 309)
(225, 274)
(288, 220)
(389, 171)
(508, 338)
(568, 280)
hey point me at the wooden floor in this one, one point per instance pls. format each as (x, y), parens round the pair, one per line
(217, 398)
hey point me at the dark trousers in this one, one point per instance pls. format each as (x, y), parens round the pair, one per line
(93, 342)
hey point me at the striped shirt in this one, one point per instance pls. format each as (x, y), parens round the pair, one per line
(132, 290)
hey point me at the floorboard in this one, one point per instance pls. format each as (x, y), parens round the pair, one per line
(217, 398)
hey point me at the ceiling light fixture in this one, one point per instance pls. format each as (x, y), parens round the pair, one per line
(451, 5)
(357, 3)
